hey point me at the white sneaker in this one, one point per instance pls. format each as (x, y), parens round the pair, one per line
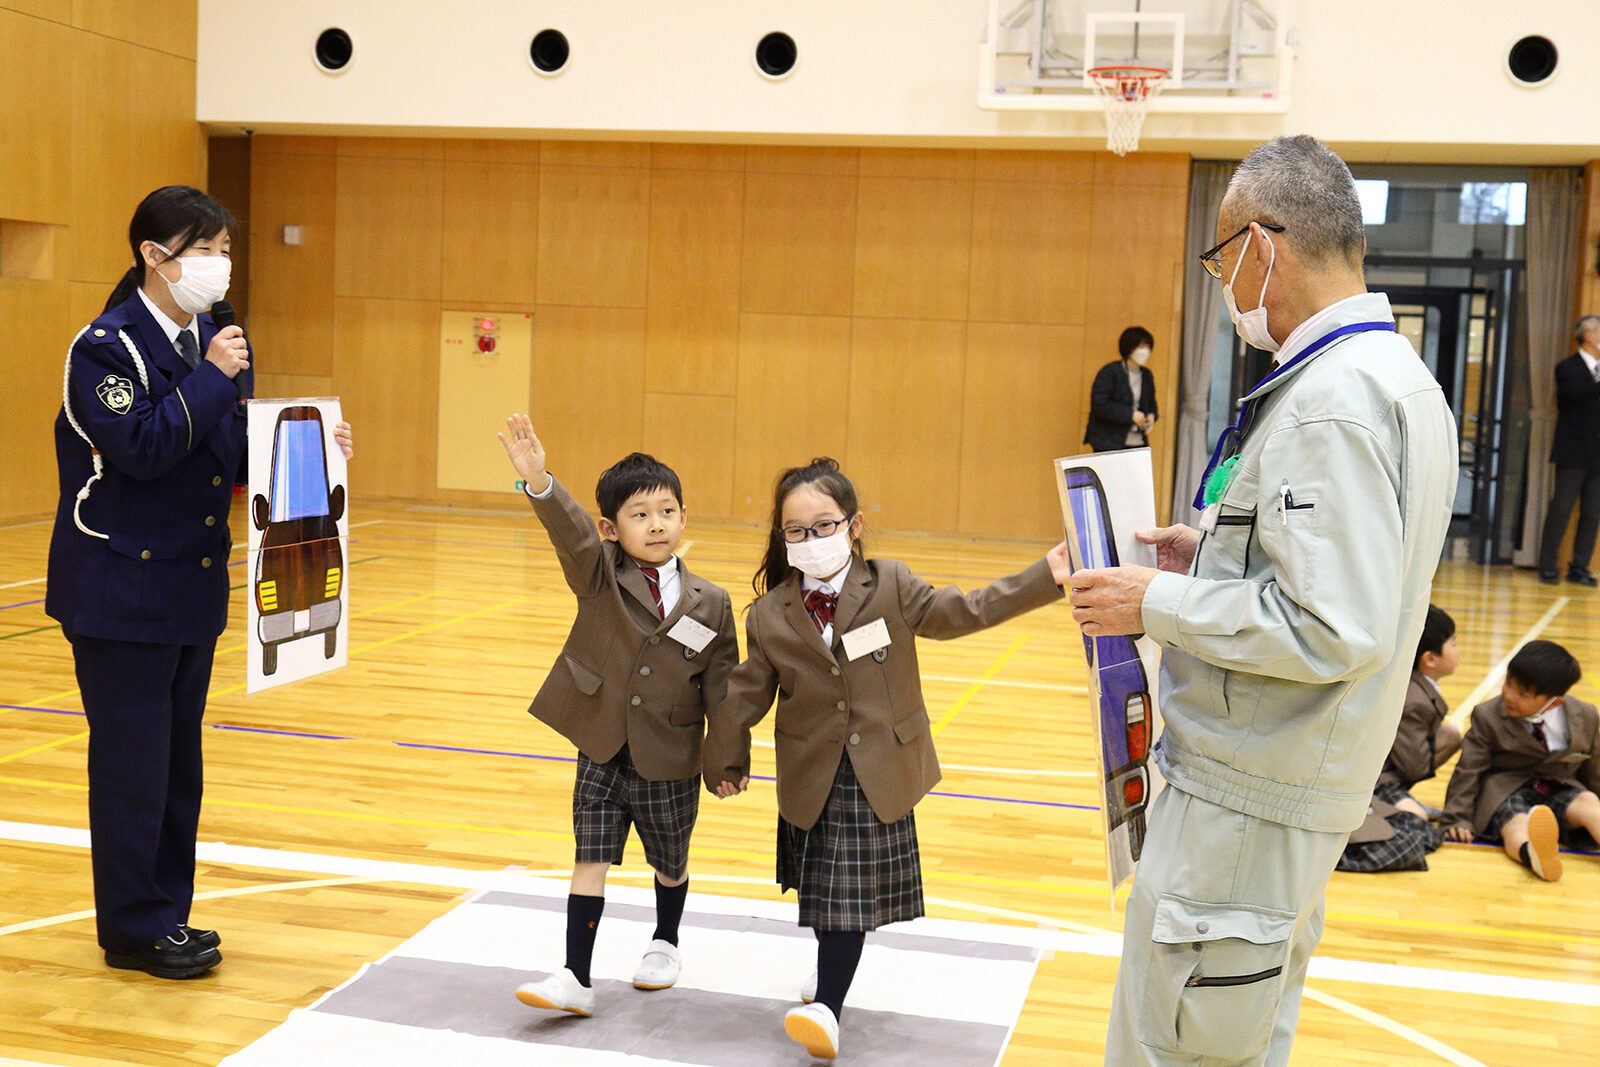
(814, 1026)
(808, 992)
(660, 966)
(559, 992)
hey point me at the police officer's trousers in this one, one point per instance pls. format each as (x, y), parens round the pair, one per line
(1225, 911)
(144, 703)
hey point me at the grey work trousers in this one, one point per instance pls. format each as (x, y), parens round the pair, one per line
(1225, 911)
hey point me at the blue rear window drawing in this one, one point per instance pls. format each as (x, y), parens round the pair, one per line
(299, 474)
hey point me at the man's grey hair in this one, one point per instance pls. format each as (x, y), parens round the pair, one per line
(1302, 185)
(1585, 324)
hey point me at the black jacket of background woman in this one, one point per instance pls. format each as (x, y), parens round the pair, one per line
(1111, 407)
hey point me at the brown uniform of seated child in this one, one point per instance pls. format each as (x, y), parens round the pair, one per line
(1529, 771)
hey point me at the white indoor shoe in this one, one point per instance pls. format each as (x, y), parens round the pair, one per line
(814, 1026)
(660, 966)
(808, 992)
(559, 992)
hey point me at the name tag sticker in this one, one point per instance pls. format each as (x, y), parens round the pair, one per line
(691, 634)
(865, 640)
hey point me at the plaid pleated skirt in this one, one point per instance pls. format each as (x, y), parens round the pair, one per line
(853, 871)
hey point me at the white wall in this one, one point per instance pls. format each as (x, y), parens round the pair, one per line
(1402, 80)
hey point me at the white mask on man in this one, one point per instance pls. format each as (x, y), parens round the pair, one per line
(1141, 355)
(822, 557)
(1251, 326)
(203, 281)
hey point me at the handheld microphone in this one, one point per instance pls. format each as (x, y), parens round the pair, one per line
(222, 314)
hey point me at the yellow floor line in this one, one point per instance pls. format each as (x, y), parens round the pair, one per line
(57, 743)
(972, 690)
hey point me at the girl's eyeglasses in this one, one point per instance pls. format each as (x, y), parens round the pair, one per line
(821, 528)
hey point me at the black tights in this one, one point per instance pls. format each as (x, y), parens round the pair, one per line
(838, 953)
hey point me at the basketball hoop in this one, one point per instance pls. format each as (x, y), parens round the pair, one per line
(1126, 92)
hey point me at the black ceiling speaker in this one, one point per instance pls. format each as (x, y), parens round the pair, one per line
(334, 50)
(549, 51)
(776, 54)
(1532, 60)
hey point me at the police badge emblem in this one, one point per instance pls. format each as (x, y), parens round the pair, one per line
(116, 393)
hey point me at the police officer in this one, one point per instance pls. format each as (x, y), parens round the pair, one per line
(149, 444)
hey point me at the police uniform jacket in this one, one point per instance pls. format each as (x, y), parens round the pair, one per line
(870, 706)
(1412, 756)
(171, 453)
(621, 679)
(1499, 755)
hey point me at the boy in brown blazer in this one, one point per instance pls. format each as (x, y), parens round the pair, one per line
(1424, 742)
(649, 653)
(1529, 770)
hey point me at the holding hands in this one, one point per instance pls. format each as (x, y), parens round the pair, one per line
(525, 452)
(731, 789)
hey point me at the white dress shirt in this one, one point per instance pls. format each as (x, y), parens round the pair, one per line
(172, 329)
(1591, 362)
(1554, 721)
(834, 585)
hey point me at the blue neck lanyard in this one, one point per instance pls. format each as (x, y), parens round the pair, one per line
(1231, 441)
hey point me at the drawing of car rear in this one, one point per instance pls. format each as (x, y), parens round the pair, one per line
(300, 566)
(1125, 711)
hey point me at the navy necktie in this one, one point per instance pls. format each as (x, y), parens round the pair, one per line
(189, 348)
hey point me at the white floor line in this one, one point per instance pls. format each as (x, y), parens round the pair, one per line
(368, 522)
(1031, 772)
(25, 581)
(1416, 1037)
(1049, 933)
(1497, 673)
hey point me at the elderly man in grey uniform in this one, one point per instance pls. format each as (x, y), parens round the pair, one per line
(1286, 621)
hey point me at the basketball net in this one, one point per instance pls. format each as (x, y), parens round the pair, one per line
(1126, 92)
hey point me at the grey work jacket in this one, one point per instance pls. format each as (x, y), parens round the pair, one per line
(1288, 646)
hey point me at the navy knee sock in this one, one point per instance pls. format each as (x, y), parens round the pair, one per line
(669, 909)
(838, 953)
(583, 917)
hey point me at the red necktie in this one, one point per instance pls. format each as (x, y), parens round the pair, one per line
(653, 576)
(821, 606)
(1538, 735)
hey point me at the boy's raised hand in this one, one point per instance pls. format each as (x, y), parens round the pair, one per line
(729, 789)
(525, 452)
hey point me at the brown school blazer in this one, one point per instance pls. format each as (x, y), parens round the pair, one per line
(872, 705)
(1499, 755)
(620, 678)
(1411, 759)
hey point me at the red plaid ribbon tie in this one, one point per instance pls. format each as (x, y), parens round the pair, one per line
(821, 606)
(653, 576)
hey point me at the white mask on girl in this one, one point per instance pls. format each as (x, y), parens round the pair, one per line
(821, 557)
(203, 281)
(1252, 325)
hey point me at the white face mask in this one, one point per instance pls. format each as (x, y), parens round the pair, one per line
(1252, 325)
(203, 281)
(821, 557)
(1140, 356)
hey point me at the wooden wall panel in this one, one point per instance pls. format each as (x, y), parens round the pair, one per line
(104, 191)
(388, 223)
(697, 157)
(694, 436)
(291, 292)
(386, 373)
(588, 392)
(594, 226)
(905, 439)
(161, 25)
(955, 163)
(696, 226)
(36, 119)
(794, 392)
(54, 10)
(491, 214)
(1023, 408)
(35, 329)
(799, 243)
(913, 247)
(1030, 247)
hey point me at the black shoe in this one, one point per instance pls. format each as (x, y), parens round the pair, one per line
(205, 938)
(1581, 576)
(1550, 577)
(175, 956)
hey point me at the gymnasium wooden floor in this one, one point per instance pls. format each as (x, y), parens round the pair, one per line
(419, 751)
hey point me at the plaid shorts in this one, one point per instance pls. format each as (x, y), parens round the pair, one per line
(1407, 850)
(1554, 795)
(609, 797)
(853, 871)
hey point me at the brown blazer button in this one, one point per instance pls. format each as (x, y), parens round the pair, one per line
(855, 739)
(216, 479)
(840, 705)
(145, 554)
(834, 671)
(645, 670)
(206, 562)
(655, 639)
(636, 701)
(211, 520)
